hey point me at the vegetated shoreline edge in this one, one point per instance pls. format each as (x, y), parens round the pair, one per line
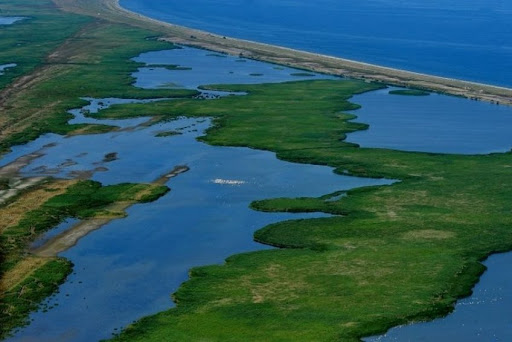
(316, 62)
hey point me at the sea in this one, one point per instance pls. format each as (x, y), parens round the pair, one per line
(463, 39)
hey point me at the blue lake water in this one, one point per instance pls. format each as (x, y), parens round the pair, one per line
(467, 39)
(209, 68)
(485, 316)
(434, 123)
(128, 268)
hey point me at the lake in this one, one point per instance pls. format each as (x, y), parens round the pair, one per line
(128, 268)
(435, 123)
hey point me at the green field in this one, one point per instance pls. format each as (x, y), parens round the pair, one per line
(66, 57)
(400, 253)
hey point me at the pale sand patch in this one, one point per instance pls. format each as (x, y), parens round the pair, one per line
(70, 237)
(21, 271)
(12, 213)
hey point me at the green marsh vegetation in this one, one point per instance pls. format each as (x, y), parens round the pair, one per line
(65, 57)
(400, 253)
(39, 277)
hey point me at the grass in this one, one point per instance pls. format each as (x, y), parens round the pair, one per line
(409, 92)
(75, 56)
(400, 253)
(39, 279)
(29, 42)
(25, 297)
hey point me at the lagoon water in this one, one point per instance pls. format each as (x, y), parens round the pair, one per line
(435, 123)
(210, 68)
(128, 268)
(467, 39)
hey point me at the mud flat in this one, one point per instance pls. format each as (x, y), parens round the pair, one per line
(111, 10)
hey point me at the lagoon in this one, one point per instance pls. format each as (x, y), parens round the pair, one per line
(435, 123)
(10, 20)
(128, 268)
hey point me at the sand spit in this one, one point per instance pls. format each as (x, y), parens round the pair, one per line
(70, 237)
(111, 10)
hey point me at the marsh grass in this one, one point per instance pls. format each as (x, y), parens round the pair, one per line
(391, 255)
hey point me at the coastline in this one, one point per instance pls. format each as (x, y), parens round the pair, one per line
(112, 10)
(432, 178)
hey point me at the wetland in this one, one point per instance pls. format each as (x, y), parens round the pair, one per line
(325, 237)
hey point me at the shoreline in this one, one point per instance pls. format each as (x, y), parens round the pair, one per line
(111, 10)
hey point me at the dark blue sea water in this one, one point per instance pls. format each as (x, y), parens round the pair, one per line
(467, 39)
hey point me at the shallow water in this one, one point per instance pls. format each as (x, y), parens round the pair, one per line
(209, 68)
(484, 316)
(467, 39)
(435, 123)
(10, 20)
(129, 267)
(6, 66)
